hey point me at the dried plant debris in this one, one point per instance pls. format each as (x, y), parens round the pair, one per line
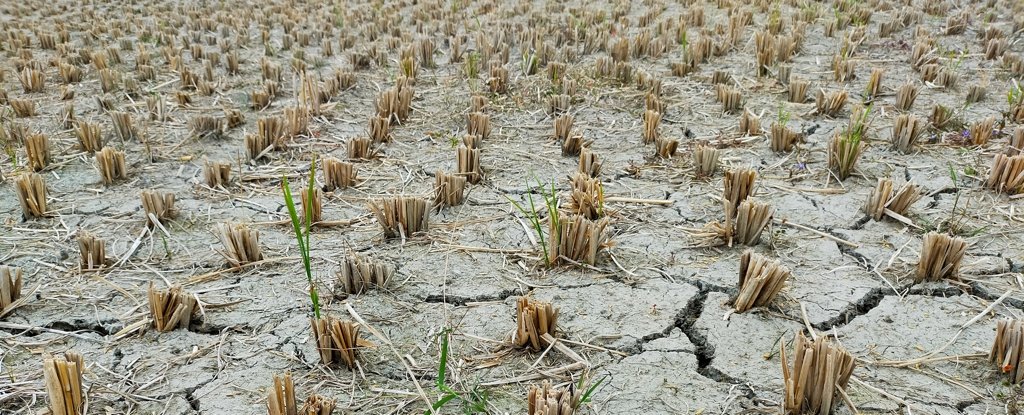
(241, 244)
(37, 148)
(31, 189)
(11, 281)
(750, 124)
(172, 308)
(782, 138)
(1007, 174)
(885, 199)
(705, 160)
(338, 174)
(158, 207)
(89, 138)
(589, 163)
(940, 257)
(63, 378)
(751, 218)
(337, 341)
(111, 164)
(739, 185)
(92, 252)
(760, 281)
(467, 161)
(216, 173)
(358, 274)
(830, 104)
(360, 148)
(449, 190)
(1008, 349)
(906, 131)
(820, 370)
(577, 238)
(281, 396)
(665, 147)
(586, 197)
(401, 216)
(551, 400)
(534, 319)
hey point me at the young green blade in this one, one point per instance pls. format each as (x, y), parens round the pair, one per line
(303, 244)
(590, 391)
(442, 366)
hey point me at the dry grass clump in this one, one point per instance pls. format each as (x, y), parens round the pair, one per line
(589, 163)
(975, 93)
(124, 127)
(401, 216)
(1016, 144)
(111, 164)
(730, 98)
(338, 174)
(159, 207)
(573, 144)
(171, 308)
(241, 244)
(216, 174)
(395, 104)
(550, 400)
(577, 238)
(206, 126)
(22, 107)
(92, 252)
(940, 257)
(981, 131)
(10, 288)
(559, 104)
(760, 281)
(497, 83)
(449, 190)
(782, 138)
(312, 202)
(843, 68)
(943, 118)
(37, 148)
(829, 104)
(337, 341)
(665, 147)
(281, 400)
(534, 319)
(587, 196)
(1007, 174)
(705, 160)
(379, 130)
(89, 137)
(874, 85)
(885, 199)
(751, 219)
(820, 369)
(31, 190)
(467, 162)
(563, 126)
(750, 124)
(478, 124)
(359, 148)
(358, 274)
(651, 121)
(906, 131)
(63, 378)
(32, 80)
(1008, 349)
(739, 185)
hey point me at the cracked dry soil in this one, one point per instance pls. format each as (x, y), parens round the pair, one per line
(651, 317)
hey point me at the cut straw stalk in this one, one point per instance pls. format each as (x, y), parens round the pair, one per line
(577, 238)
(552, 400)
(1008, 349)
(31, 190)
(449, 190)
(401, 216)
(171, 308)
(534, 319)
(241, 244)
(886, 199)
(10, 288)
(337, 341)
(358, 274)
(940, 257)
(820, 369)
(63, 379)
(760, 281)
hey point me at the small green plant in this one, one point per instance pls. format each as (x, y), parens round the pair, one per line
(472, 65)
(301, 228)
(1015, 95)
(588, 395)
(529, 63)
(551, 203)
(477, 398)
(783, 115)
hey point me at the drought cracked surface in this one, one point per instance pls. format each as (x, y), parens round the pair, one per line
(652, 317)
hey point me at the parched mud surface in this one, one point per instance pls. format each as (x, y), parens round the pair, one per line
(652, 317)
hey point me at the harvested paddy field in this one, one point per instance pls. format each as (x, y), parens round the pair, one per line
(506, 207)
